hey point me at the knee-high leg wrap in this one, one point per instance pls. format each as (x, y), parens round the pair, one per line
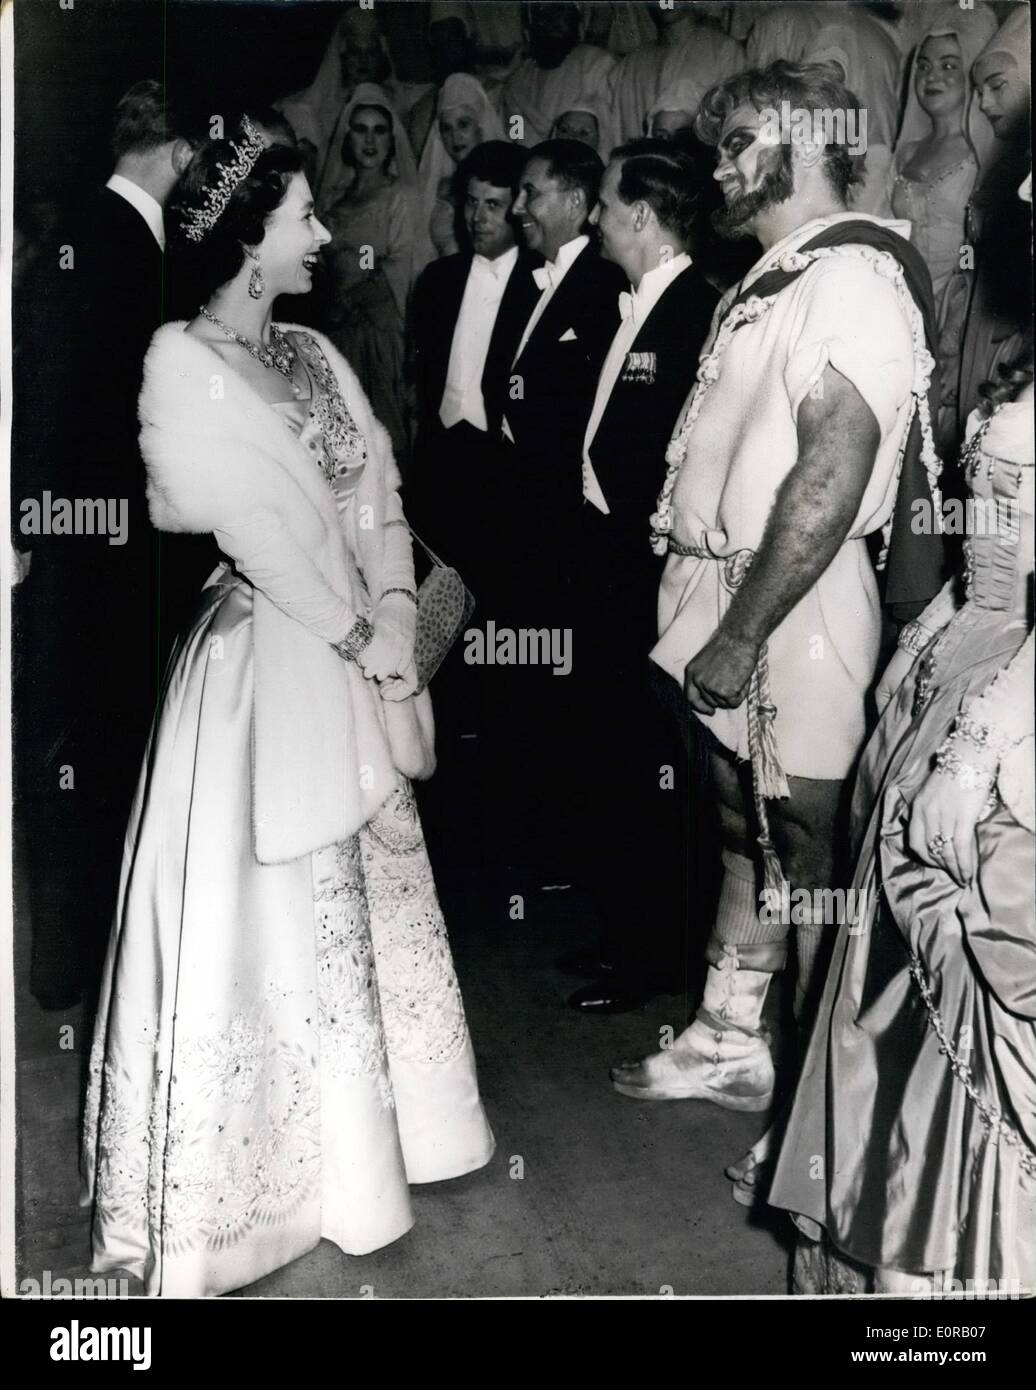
(722, 1056)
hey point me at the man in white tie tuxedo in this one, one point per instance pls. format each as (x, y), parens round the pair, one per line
(554, 372)
(645, 217)
(98, 621)
(549, 391)
(467, 315)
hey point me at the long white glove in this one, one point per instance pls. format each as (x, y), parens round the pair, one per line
(390, 653)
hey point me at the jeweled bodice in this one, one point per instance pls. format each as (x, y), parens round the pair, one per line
(934, 208)
(998, 464)
(324, 425)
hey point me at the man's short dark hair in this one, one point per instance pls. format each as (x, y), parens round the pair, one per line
(146, 119)
(496, 162)
(806, 87)
(572, 164)
(654, 172)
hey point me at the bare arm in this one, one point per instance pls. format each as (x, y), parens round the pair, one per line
(813, 510)
(812, 513)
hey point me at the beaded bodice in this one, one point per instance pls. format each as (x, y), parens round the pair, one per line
(999, 515)
(324, 425)
(935, 209)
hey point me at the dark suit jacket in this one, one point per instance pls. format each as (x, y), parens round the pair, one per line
(436, 306)
(84, 322)
(101, 619)
(547, 409)
(619, 571)
(629, 445)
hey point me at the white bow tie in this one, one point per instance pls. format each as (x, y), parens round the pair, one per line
(625, 305)
(545, 275)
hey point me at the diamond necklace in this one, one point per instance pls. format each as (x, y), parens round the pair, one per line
(280, 355)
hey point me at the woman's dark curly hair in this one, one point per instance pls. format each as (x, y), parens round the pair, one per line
(1011, 380)
(220, 254)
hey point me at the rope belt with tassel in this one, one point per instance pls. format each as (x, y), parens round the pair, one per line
(768, 779)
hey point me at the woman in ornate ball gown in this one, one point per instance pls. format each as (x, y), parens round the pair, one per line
(281, 1045)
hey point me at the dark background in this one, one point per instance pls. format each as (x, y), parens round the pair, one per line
(71, 67)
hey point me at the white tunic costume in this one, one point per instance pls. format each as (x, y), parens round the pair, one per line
(839, 312)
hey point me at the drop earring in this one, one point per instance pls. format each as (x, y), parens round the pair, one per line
(256, 283)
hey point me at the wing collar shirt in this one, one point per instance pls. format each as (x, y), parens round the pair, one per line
(139, 198)
(483, 293)
(634, 309)
(548, 277)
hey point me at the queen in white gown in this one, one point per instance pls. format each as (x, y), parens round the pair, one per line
(281, 1045)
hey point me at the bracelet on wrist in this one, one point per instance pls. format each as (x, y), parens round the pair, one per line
(914, 638)
(968, 776)
(407, 593)
(360, 635)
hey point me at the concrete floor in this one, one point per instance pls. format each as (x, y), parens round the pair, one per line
(614, 1197)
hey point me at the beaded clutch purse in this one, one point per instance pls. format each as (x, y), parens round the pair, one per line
(444, 606)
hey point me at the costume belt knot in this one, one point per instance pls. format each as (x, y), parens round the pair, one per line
(768, 777)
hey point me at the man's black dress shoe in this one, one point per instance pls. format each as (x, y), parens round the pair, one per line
(620, 994)
(611, 997)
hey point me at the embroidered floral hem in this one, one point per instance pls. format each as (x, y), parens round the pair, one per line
(279, 1049)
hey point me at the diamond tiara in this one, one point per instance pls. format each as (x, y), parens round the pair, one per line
(197, 221)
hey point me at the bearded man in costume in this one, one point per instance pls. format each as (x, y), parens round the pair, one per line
(809, 418)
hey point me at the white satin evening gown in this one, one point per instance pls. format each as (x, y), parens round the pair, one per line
(280, 1048)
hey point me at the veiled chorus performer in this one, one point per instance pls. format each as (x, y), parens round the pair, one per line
(371, 209)
(464, 119)
(944, 142)
(690, 48)
(869, 56)
(558, 69)
(356, 52)
(999, 225)
(281, 1044)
